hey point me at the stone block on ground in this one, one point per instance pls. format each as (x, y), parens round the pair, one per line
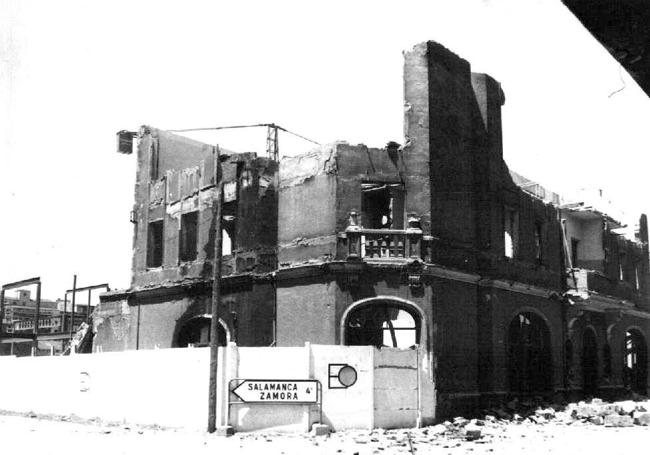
(472, 432)
(586, 411)
(319, 429)
(596, 420)
(642, 418)
(626, 421)
(616, 420)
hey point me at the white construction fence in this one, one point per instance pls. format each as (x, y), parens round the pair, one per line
(284, 389)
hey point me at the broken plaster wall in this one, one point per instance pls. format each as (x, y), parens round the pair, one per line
(185, 182)
(319, 189)
(154, 319)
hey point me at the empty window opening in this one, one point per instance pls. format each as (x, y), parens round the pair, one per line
(635, 362)
(636, 276)
(529, 354)
(575, 244)
(538, 241)
(154, 162)
(196, 333)
(621, 269)
(383, 325)
(589, 362)
(382, 206)
(155, 244)
(226, 243)
(188, 238)
(511, 232)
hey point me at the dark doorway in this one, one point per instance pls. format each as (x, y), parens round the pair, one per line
(589, 362)
(635, 362)
(196, 333)
(529, 353)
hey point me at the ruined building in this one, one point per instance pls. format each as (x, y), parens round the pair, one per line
(502, 287)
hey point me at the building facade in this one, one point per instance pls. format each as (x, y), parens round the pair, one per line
(435, 245)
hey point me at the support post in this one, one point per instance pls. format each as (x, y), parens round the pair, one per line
(216, 295)
(74, 293)
(88, 309)
(37, 316)
(2, 313)
(65, 312)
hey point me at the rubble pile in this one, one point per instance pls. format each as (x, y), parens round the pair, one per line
(596, 412)
(536, 412)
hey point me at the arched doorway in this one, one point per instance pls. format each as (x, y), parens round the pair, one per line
(196, 332)
(383, 323)
(635, 362)
(529, 354)
(589, 362)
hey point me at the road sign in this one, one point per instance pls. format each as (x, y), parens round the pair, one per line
(277, 391)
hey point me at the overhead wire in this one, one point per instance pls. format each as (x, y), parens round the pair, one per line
(256, 125)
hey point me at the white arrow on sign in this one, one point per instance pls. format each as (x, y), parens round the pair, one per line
(277, 391)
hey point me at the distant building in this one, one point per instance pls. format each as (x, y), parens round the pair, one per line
(22, 309)
(502, 287)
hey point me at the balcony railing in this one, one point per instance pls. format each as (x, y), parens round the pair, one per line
(383, 243)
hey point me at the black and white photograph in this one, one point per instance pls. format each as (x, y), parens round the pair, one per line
(304, 227)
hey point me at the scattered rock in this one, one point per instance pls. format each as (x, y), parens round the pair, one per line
(626, 407)
(437, 429)
(472, 432)
(596, 420)
(642, 418)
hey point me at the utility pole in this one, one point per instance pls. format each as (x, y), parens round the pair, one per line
(272, 149)
(216, 294)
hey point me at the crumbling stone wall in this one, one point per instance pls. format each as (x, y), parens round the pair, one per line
(185, 182)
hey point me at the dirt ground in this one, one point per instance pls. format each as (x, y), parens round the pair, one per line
(55, 435)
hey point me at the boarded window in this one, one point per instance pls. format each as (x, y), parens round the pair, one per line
(511, 231)
(383, 325)
(155, 244)
(188, 238)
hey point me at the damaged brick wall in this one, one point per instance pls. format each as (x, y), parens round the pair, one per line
(453, 129)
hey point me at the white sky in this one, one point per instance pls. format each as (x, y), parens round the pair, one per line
(75, 72)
